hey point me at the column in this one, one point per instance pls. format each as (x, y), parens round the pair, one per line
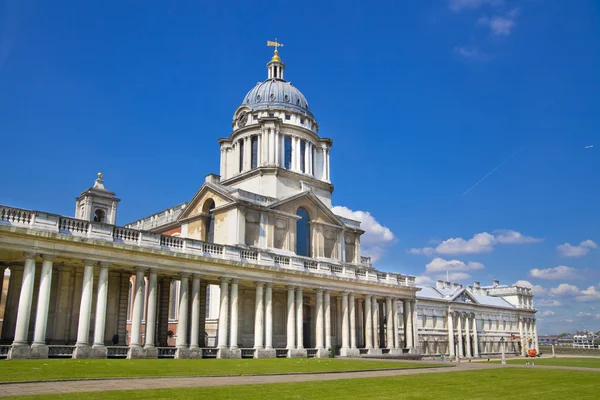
(526, 327)
(475, 338)
(319, 322)
(468, 334)
(152, 309)
(352, 305)
(451, 334)
(195, 330)
(277, 149)
(41, 318)
(415, 324)
(328, 166)
(375, 311)
(324, 166)
(390, 323)
(299, 319)
(101, 298)
(259, 320)
(25, 300)
(408, 324)
(360, 323)
(459, 331)
(291, 311)
(396, 325)
(345, 321)
(269, 316)
(233, 335)
(338, 321)
(327, 301)
(368, 323)
(521, 336)
(536, 345)
(182, 323)
(223, 314)
(85, 309)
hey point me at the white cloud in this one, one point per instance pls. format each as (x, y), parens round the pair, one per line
(423, 280)
(456, 276)
(597, 316)
(501, 25)
(560, 272)
(480, 243)
(439, 265)
(589, 294)
(564, 290)
(460, 5)
(471, 53)
(537, 290)
(568, 250)
(583, 314)
(548, 313)
(376, 238)
(550, 303)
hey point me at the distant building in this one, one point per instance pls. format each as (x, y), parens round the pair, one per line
(566, 340)
(584, 339)
(548, 340)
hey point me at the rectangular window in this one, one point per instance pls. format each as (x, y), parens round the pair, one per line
(255, 117)
(272, 115)
(254, 147)
(241, 144)
(287, 144)
(301, 121)
(287, 117)
(302, 154)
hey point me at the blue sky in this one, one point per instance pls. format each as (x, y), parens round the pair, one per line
(422, 99)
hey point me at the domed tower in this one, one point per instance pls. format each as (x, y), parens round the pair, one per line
(274, 149)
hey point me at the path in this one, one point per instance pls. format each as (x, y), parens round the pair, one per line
(98, 385)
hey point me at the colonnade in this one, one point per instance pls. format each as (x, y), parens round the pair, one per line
(463, 337)
(363, 319)
(528, 335)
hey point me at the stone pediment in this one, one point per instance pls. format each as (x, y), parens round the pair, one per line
(464, 297)
(318, 211)
(198, 202)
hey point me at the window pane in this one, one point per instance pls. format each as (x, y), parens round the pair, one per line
(302, 154)
(241, 155)
(303, 233)
(254, 143)
(288, 152)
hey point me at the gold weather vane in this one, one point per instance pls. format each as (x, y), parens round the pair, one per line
(277, 45)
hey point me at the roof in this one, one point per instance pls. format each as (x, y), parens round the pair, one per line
(277, 94)
(457, 294)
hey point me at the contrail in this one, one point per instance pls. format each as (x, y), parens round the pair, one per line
(492, 171)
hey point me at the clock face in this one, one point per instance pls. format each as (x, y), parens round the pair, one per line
(242, 119)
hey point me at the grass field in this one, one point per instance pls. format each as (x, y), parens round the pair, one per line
(509, 383)
(561, 362)
(27, 370)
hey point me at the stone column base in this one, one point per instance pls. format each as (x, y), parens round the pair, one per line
(374, 352)
(39, 351)
(82, 351)
(19, 352)
(265, 353)
(135, 352)
(183, 353)
(348, 352)
(322, 353)
(99, 351)
(226, 353)
(297, 353)
(396, 352)
(150, 352)
(195, 352)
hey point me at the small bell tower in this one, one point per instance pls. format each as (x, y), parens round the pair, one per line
(97, 204)
(275, 67)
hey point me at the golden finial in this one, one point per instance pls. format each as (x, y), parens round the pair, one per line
(275, 44)
(99, 175)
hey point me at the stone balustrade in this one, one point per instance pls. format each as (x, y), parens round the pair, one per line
(95, 230)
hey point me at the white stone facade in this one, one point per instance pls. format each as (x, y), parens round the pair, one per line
(256, 264)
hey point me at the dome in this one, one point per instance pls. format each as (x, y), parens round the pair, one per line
(277, 94)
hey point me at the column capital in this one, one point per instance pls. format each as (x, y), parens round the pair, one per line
(235, 281)
(48, 257)
(196, 276)
(29, 255)
(224, 279)
(259, 284)
(291, 287)
(319, 291)
(141, 269)
(89, 263)
(185, 275)
(104, 264)
(269, 285)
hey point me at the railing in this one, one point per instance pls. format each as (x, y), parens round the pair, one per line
(73, 225)
(110, 233)
(385, 351)
(310, 353)
(116, 351)
(171, 242)
(209, 353)
(362, 352)
(60, 351)
(281, 353)
(4, 351)
(249, 255)
(166, 352)
(248, 353)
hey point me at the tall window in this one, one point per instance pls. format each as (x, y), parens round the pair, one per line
(303, 233)
(241, 155)
(254, 147)
(208, 208)
(302, 154)
(287, 148)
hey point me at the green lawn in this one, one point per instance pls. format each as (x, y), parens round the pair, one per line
(561, 362)
(27, 370)
(507, 383)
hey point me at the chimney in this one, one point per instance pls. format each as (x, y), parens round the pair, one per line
(213, 178)
(476, 285)
(495, 282)
(439, 284)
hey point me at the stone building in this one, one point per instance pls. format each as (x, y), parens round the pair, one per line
(255, 264)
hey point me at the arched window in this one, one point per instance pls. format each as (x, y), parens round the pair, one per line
(99, 215)
(254, 147)
(241, 144)
(303, 233)
(209, 226)
(287, 151)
